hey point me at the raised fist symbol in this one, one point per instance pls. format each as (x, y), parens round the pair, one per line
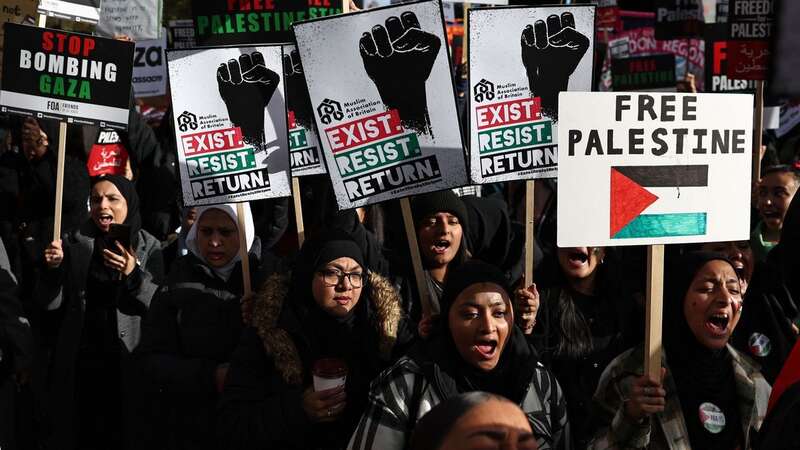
(246, 86)
(297, 98)
(550, 53)
(399, 57)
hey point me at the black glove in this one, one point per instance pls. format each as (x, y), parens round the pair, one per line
(399, 58)
(297, 98)
(550, 53)
(246, 86)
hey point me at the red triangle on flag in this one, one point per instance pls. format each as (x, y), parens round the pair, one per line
(628, 200)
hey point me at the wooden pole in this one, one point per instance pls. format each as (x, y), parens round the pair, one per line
(416, 259)
(298, 211)
(42, 21)
(655, 301)
(243, 249)
(62, 149)
(345, 6)
(758, 127)
(529, 236)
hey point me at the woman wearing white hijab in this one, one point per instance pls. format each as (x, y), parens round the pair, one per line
(194, 325)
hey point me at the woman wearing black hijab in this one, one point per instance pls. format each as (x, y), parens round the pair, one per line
(332, 318)
(477, 348)
(99, 287)
(711, 397)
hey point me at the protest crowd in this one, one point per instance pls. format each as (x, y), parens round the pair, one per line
(150, 310)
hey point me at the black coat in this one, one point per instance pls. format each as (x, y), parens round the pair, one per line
(16, 354)
(579, 377)
(262, 403)
(62, 292)
(193, 327)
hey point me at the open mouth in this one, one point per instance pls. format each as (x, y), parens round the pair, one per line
(215, 256)
(771, 215)
(717, 323)
(578, 257)
(105, 220)
(486, 348)
(440, 246)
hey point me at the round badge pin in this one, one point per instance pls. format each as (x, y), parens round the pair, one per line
(759, 345)
(712, 418)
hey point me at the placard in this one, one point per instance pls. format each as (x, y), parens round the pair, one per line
(76, 10)
(15, 12)
(181, 33)
(53, 74)
(650, 168)
(230, 123)
(678, 19)
(137, 19)
(644, 73)
(717, 63)
(520, 59)
(384, 102)
(150, 68)
(303, 138)
(233, 22)
(750, 24)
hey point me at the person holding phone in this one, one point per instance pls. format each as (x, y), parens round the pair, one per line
(98, 283)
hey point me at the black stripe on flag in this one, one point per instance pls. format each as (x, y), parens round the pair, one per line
(666, 176)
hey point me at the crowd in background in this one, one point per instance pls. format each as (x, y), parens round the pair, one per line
(146, 339)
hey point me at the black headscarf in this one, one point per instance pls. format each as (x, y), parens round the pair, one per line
(442, 363)
(328, 336)
(97, 269)
(703, 376)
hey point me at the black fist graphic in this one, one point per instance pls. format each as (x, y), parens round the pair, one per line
(399, 57)
(297, 98)
(246, 86)
(550, 53)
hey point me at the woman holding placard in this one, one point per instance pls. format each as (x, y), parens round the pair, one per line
(583, 322)
(99, 282)
(476, 348)
(300, 376)
(194, 325)
(709, 396)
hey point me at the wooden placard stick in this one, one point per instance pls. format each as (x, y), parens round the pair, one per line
(243, 249)
(298, 211)
(758, 127)
(42, 22)
(529, 235)
(416, 258)
(62, 149)
(655, 302)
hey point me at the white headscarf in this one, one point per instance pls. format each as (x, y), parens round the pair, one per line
(249, 233)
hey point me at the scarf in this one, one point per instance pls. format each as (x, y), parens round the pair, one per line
(704, 377)
(97, 269)
(230, 209)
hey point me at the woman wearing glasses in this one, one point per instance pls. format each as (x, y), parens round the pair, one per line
(300, 376)
(194, 325)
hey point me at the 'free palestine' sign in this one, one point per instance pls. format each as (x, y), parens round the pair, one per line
(653, 168)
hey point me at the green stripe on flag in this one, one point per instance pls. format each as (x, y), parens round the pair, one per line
(664, 225)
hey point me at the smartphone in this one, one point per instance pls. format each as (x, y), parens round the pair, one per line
(118, 232)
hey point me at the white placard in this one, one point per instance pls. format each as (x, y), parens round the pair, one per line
(77, 10)
(520, 58)
(641, 169)
(384, 102)
(303, 138)
(137, 19)
(230, 123)
(150, 68)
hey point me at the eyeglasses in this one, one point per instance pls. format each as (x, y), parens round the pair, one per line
(333, 277)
